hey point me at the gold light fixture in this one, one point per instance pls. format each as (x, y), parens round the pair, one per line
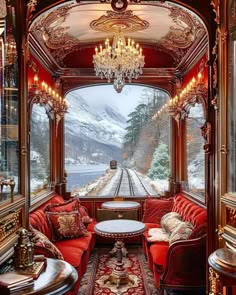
(118, 61)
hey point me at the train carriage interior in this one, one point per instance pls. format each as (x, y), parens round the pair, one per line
(118, 147)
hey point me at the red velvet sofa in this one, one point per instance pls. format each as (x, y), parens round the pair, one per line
(75, 250)
(180, 265)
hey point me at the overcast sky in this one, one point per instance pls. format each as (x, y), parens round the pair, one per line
(126, 101)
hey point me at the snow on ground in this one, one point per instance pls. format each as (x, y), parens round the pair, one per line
(102, 185)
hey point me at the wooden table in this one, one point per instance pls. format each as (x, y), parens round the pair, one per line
(57, 278)
(121, 206)
(119, 229)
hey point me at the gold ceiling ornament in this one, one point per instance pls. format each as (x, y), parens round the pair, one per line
(115, 22)
(118, 61)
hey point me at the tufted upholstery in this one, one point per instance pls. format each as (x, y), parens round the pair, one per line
(181, 265)
(189, 211)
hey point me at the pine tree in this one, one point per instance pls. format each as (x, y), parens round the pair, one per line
(160, 163)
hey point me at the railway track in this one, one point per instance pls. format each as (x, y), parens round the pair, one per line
(129, 183)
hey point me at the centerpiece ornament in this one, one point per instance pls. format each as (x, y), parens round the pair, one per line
(119, 61)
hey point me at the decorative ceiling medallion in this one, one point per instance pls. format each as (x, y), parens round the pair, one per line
(115, 22)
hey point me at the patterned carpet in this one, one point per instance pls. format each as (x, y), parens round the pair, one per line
(100, 267)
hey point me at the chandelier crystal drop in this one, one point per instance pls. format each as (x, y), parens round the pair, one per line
(118, 61)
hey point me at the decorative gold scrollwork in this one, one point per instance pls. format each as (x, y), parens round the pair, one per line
(214, 282)
(220, 232)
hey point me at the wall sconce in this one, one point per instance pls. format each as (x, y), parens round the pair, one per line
(45, 95)
(175, 104)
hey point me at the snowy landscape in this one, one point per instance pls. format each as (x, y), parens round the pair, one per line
(100, 127)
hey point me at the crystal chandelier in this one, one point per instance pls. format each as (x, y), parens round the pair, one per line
(118, 61)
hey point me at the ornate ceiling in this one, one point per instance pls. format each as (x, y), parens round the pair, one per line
(64, 37)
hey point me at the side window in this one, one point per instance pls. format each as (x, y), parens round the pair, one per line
(39, 150)
(195, 152)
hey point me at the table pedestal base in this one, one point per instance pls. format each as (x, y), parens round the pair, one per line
(119, 275)
(123, 249)
(119, 278)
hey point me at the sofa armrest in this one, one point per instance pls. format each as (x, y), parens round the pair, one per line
(186, 263)
(40, 250)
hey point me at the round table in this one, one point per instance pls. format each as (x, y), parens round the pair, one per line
(120, 206)
(119, 229)
(57, 278)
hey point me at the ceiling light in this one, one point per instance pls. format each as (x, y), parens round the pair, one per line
(118, 61)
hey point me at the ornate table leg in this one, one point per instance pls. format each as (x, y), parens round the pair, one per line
(123, 249)
(119, 275)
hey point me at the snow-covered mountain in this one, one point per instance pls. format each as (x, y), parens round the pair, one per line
(92, 134)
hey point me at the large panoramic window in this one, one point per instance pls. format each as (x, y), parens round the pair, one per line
(195, 152)
(39, 150)
(101, 126)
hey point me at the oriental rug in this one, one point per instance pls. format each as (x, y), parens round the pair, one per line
(100, 267)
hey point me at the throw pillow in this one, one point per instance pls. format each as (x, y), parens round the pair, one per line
(68, 206)
(43, 245)
(157, 235)
(154, 209)
(182, 232)
(66, 225)
(170, 220)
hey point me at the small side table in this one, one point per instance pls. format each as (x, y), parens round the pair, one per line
(57, 278)
(121, 206)
(119, 229)
(222, 271)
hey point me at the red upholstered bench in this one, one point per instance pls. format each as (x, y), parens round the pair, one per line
(54, 241)
(175, 243)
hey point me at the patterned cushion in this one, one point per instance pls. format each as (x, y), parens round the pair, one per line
(68, 206)
(182, 232)
(66, 225)
(157, 235)
(170, 220)
(154, 209)
(43, 245)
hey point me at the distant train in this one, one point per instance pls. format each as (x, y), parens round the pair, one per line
(113, 164)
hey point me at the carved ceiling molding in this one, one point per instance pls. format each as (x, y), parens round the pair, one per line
(53, 35)
(185, 31)
(116, 22)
